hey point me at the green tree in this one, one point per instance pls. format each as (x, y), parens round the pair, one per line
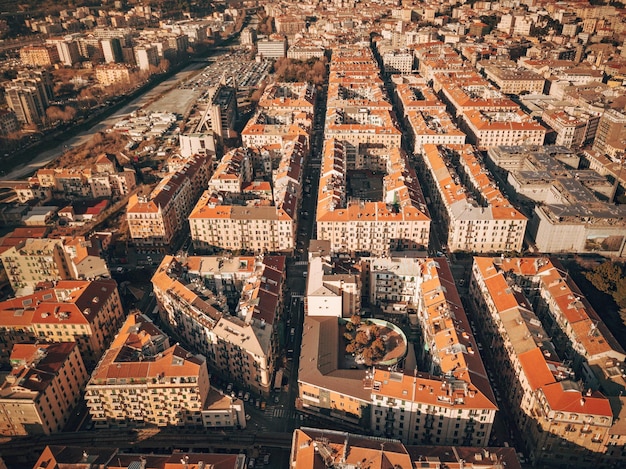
(605, 277)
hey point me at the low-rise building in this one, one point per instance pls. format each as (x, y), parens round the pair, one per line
(331, 294)
(573, 209)
(44, 385)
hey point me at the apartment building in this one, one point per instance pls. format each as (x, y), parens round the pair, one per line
(573, 211)
(290, 25)
(143, 379)
(103, 181)
(304, 50)
(511, 79)
(237, 212)
(397, 61)
(436, 57)
(44, 385)
(232, 227)
(361, 126)
(412, 93)
(350, 91)
(34, 261)
(240, 338)
(155, 220)
(271, 126)
(8, 122)
(232, 172)
(112, 74)
(26, 102)
(146, 56)
(313, 447)
(466, 91)
(399, 221)
(88, 312)
(432, 127)
(611, 133)
(448, 401)
(39, 55)
(73, 457)
(393, 283)
(475, 214)
(570, 130)
(221, 112)
(197, 144)
(557, 360)
(492, 128)
(289, 97)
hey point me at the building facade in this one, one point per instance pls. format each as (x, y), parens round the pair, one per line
(42, 389)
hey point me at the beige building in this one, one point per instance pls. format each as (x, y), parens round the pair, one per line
(34, 261)
(101, 181)
(571, 131)
(465, 91)
(89, 312)
(434, 127)
(112, 74)
(486, 129)
(240, 337)
(39, 56)
(362, 126)
(611, 133)
(143, 379)
(237, 212)
(220, 113)
(511, 79)
(154, 220)
(289, 97)
(486, 224)
(412, 94)
(447, 402)
(399, 221)
(44, 385)
(563, 413)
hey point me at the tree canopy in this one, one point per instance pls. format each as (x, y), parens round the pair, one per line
(609, 277)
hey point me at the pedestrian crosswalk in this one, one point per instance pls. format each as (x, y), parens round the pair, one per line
(277, 412)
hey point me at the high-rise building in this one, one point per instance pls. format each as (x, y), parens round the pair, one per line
(611, 133)
(26, 102)
(146, 57)
(112, 50)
